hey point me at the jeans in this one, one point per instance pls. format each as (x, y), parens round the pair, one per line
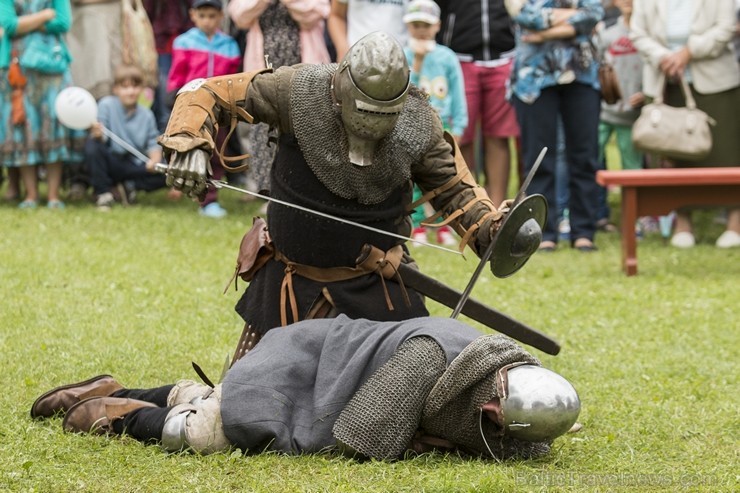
(578, 106)
(562, 196)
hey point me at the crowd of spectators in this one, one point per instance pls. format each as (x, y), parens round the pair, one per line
(529, 71)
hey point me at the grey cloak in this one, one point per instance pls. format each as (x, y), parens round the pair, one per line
(286, 393)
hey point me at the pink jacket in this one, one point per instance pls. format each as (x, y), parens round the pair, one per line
(308, 14)
(195, 56)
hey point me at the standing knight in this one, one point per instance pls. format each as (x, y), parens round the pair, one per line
(353, 137)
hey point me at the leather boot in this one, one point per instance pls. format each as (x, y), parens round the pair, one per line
(97, 414)
(62, 398)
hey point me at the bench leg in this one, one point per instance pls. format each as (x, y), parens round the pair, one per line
(629, 238)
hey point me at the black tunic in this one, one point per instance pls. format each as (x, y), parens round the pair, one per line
(309, 239)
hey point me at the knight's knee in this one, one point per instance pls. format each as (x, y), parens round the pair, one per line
(186, 391)
(196, 426)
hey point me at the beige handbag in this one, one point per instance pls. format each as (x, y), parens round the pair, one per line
(681, 133)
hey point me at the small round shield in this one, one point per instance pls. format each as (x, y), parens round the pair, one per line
(519, 236)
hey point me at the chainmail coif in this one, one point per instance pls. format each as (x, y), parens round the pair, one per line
(382, 417)
(320, 133)
(453, 408)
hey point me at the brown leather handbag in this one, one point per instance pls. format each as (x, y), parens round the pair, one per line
(610, 91)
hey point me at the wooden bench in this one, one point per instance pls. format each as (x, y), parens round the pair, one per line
(651, 192)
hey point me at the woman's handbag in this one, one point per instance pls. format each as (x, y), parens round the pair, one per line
(610, 91)
(45, 53)
(681, 133)
(138, 44)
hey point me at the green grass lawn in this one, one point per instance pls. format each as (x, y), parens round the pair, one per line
(137, 293)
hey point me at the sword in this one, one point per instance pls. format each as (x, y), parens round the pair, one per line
(162, 168)
(478, 311)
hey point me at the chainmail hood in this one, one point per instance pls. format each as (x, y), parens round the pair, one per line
(453, 408)
(323, 140)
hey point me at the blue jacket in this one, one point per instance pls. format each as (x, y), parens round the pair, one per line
(562, 61)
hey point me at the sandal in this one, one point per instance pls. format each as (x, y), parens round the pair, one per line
(547, 246)
(584, 245)
(28, 204)
(55, 204)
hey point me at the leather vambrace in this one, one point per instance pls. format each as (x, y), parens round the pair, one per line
(201, 107)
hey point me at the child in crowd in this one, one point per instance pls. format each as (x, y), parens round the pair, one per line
(436, 70)
(617, 119)
(108, 162)
(205, 51)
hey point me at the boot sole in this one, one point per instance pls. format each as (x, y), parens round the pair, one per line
(35, 415)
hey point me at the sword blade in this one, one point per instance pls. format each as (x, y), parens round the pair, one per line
(162, 168)
(523, 190)
(490, 317)
(220, 184)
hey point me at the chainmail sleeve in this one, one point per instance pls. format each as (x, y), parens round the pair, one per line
(382, 417)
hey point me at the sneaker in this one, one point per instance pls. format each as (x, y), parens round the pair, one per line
(728, 239)
(420, 236)
(684, 239)
(105, 201)
(445, 237)
(213, 210)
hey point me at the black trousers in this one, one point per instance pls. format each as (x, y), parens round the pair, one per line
(145, 424)
(108, 169)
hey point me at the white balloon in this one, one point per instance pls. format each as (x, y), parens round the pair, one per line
(76, 108)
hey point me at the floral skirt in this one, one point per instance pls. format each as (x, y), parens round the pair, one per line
(41, 139)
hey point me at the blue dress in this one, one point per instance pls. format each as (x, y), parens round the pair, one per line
(41, 138)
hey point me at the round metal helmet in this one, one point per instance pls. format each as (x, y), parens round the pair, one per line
(538, 405)
(371, 85)
(519, 236)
